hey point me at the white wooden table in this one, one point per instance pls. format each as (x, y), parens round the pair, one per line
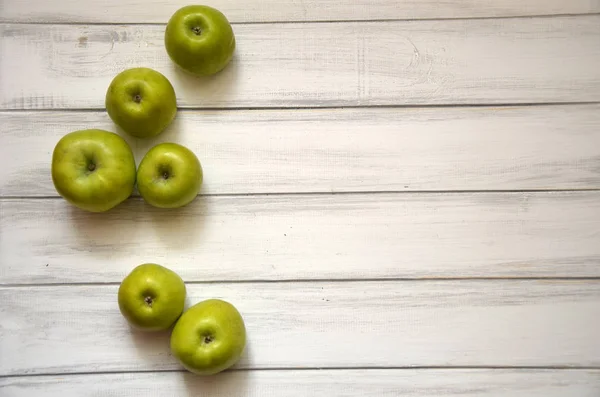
(402, 197)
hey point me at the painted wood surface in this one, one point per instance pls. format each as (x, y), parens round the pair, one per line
(155, 11)
(342, 150)
(293, 383)
(318, 64)
(308, 237)
(385, 221)
(66, 329)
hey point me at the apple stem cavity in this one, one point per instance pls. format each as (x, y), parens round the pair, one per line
(137, 98)
(208, 339)
(91, 167)
(197, 31)
(148, 301)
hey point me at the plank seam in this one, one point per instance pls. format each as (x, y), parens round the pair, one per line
(317, 280)
(348, 193)
(326, 107)
(288, 369)
(300, 21)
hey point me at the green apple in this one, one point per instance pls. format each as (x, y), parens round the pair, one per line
(93, 169)
(152, 297)
(141, 101)
(199, 39)
(209, 337)
(169, 176)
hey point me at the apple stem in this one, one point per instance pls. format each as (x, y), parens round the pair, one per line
(197, 30)
(208, 339)
(148, 301)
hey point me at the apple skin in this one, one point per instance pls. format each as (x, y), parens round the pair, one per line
(151, 297)
(199, 39)
(93, 169)
(169, 176)
(210, 337)
(141, 101)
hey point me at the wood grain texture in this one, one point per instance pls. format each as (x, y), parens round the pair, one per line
(290, 383)
(318, 64)
(63, 329)
(342, 150)
(136, 11)
(307, 237)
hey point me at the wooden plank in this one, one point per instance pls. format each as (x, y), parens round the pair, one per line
(347, 383)
(318, 64)
(342, 150)
(155, 11)
(307, 237)
(64, 329)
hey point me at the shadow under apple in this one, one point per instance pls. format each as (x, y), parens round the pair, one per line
(171, 134)
(105, 232)
(206, 91)
(141, 146)
(153, 348)
(114, 231)
(178, 228)
(229, 383)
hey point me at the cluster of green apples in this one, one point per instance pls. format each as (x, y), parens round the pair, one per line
(95, 169)
(207, 338)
